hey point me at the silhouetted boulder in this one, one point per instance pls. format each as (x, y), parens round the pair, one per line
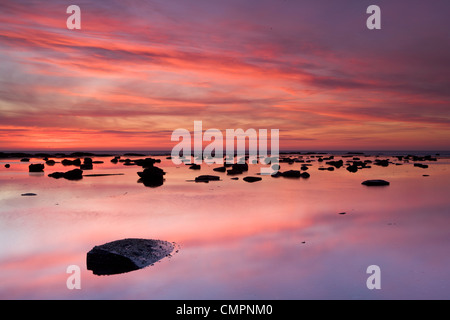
(252, 179)
(152, 177)
(195, 166)
(147, 162)
(50, 162)
(36, 167)
(420, 165)
(206, 178)
(75, 174)
(375, 183)
(126, 255)
(305, 175)
(337, 164)
(291, 174)
(382, 163)
(7, 165)
(67, 162)
(220, 169)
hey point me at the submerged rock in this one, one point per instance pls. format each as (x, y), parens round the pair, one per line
(152, 177)
(75, 174)
(126, 255)
(291, 174)
(28, 194)
(252, 179)
(206, 178)
(375, 183)
(67, 162)
(36, 167)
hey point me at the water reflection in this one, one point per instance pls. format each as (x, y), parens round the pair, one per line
(274, 239)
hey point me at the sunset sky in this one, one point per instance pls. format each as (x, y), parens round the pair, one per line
(138, 70)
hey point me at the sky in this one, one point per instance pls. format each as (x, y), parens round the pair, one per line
(138, 70)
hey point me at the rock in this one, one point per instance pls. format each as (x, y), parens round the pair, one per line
(206, 178)
(7, 166)
(29, 194)
(152, 177)
(220, 169)
(342, 212)
(195, 167)
(75, 174)
(336, 164)
(252, 179)
(50, 162)
(305, 175)
(25, 160)
(375, 183)
(382, 163)
(87, 164)
(352, 168)
(304, 168)
(420, 165)
(36, 167)
(235, 178)
(126, 255)
(147, 162)
(291, 174)
(238, 168)
(67, 162)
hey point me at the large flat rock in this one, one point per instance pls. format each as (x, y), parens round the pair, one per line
(126, 255)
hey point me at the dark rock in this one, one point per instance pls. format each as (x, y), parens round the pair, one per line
(337, 164)
(352, 168)
(126, 255)
(382, 163)
(67, 162)
(220, 169)
(152, 177)
(29, 194)
(420, 165)
(7, 165)
(86, 166)
(375, 183)
(342, 212)
(305, 175)
(75, 174)
(291, 174)
(238, 168)
(235, 178)
(252, 179)
(25, 160)
(36, 167)
(304, 168)
(195, 167)
(206, 178)
(147, 162)
(50, 162)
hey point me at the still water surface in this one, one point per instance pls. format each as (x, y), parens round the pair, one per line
(278, 238)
